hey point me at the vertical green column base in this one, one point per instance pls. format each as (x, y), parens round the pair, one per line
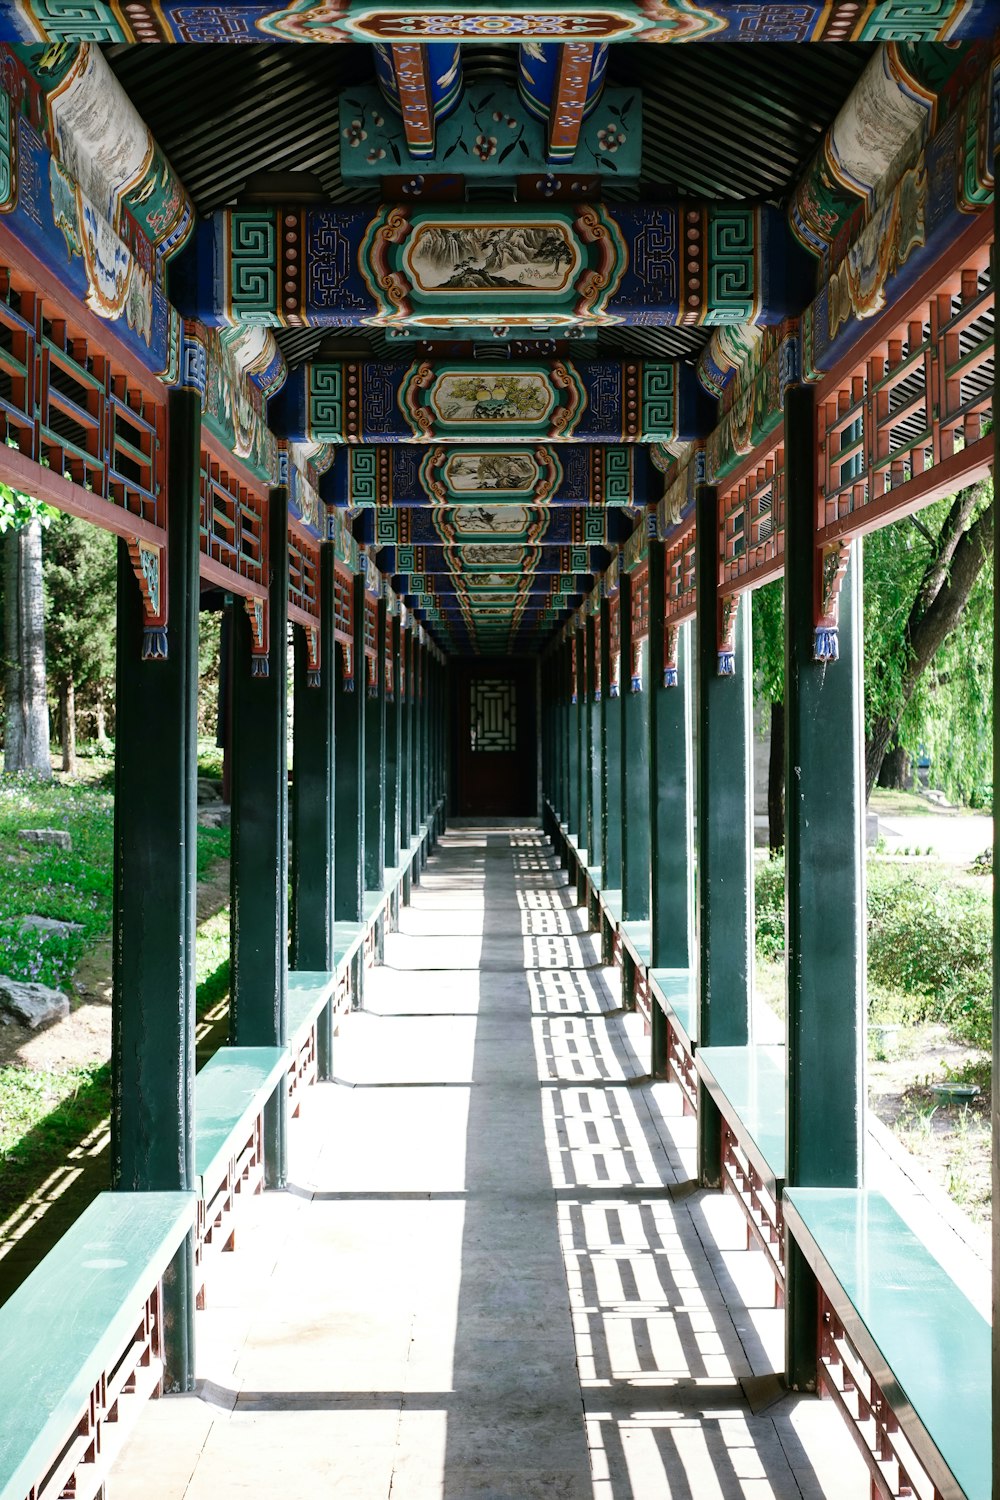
(607, 943)
(658, 1043)
(324, 1044)
(276, 1138)
(709, 1140)
(801, 1321)
(628, 980)
(177, 1312)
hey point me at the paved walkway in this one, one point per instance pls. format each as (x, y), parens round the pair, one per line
(491, 1278)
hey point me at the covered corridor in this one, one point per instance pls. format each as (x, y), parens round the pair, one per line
(492, 1274)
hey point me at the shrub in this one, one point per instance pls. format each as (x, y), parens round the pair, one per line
(929, 946)
(769, 902)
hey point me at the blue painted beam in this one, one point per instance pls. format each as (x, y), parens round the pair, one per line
(362, 21)
(537, 266)
(551, 474)
(592, 401)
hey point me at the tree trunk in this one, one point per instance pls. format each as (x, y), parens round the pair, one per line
(67, 724)
(937, 609)
(100, 716)
(895, 773)
(26, 720)
(776, 780)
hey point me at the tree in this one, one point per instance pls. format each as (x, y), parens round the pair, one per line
(769, 674)
(80, 589)
(921, 575)
(26, 710)
(928, 649)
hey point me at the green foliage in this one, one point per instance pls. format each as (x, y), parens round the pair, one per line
(44, 1115)
(949, 716)
(213, 844)
(68, 885)
(79, 569)
(212, 961)
(950, 713)
(929, 946)
(769, 642)
(17, 509)
(769, 907)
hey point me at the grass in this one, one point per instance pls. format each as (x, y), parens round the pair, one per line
(75, 885)
(45, 1114)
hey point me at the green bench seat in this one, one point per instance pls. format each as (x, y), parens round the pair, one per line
(747, 1087)
(638, 939)
(230, 1093)
(81, 1344)
(309, 993)
(347, 939)
(914, 1331)
(675, 992)
(611, 901)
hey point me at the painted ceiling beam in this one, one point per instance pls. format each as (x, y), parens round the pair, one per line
(593, 401)
(676, 21)
(547, 268)
(95, 132)
(561, 85)
(421, 83)
(476, 558)
(446, 525)
(551, 474)
(490, 133)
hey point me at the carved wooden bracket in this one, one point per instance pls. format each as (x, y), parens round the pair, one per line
(149, 563)
(831, 565)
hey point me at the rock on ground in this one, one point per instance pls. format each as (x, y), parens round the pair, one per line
(31, 1004)
(49, 926)
(56, 836)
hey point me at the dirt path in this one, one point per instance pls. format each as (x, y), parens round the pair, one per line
(84, 1037)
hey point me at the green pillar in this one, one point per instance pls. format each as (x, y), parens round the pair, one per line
(671, 786)
(595, 838)
(374, 710)
(155, 881)
(611, 757)
(393, 745)
(349, 798)
(419, 748)
(724, 825)
(572, 736)
(824, 865)
(634, 763)
(259, 868)
(311, 810)
(582, 736)
(405, 710)
(996, 892)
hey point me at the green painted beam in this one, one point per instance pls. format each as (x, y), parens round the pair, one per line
(155, 882)
(724, 828)
(349, 800)
(259, 867)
